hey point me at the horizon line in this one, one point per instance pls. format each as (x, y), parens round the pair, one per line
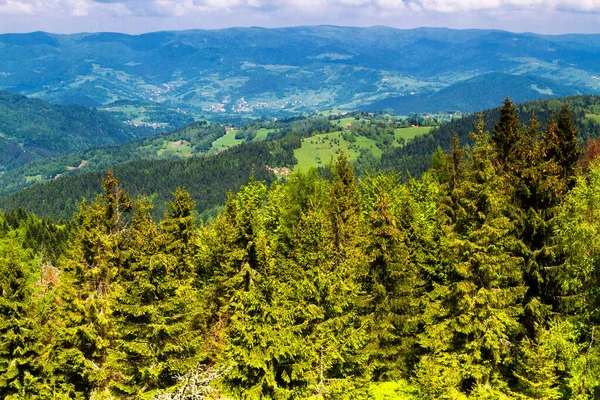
(298, 27)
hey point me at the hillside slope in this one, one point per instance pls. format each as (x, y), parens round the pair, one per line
(269, 71)
(31, 129)
(415, 156)
(208, 179)
(477, 94)
(195, 139)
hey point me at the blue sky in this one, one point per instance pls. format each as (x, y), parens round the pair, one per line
(138, 16)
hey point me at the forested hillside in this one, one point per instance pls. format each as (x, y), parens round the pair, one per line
(478, 280)
(477, 94)
(372, 141)
(195, 139)
(31, 129)
(157, 161)
(256, 71)
(416, 156)
(208, 179)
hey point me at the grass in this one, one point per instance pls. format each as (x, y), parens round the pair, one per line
(261, 134)
(133, 113)
(227, 141)
(344, 122)
(318, 150)
(595, 117)
(34, 179)
(392, 390)
(176, 149)
(327, 113)
(409, 133)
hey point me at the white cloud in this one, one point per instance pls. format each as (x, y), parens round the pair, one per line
(177, 7)
(41, 7)
(221, 13)
(450, 6)
(15, 7)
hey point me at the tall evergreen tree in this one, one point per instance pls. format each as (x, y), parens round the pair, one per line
(507, 132)
(22, 375)
(568, 150)
(155, 300)
(83, 325)
(476, 310)
(262, 342)
(392, 281)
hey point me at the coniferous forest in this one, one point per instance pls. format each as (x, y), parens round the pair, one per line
(478, 280)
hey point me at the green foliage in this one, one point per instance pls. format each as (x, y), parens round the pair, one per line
(155, 299)
(32, 129)
(21, 347)
(475, 309)
(478, 280)
(195, 139)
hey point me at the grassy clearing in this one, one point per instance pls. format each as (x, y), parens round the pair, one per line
(227, 141)
(34, 179)
(595, 117)
(345, 122)
(409, 133)
(133, 113)
(318, 150)
(336, 111)
(261, 134)
(180, 148)
(392, 391)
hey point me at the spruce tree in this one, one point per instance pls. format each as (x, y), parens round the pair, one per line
(260, 350)
(325, 263)
(83, 324)
(578, 279)
(569, 151)
(155, 300)
(392, 282)
(507, 132)
(22, 373)
(475, 310)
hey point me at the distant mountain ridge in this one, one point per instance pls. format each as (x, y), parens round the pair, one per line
(477, 94)
(260, 71)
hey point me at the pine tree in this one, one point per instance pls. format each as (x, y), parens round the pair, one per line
(568, 150)
(83, 325)
(22, 375)
(261, 346)
(536, 371)
(476, 308)
(154, 304)
(578, 279)
(507, 132)
(325, 262)
(326, 296)
(392, 282)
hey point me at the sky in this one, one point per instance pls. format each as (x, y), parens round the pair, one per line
(139, 16)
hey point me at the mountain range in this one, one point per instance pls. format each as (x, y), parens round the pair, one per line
(257, 71)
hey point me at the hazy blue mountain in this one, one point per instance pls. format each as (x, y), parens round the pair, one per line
(476, 94)
(265, 71)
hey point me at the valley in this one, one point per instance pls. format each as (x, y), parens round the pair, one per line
(311, 212)
(253, 72)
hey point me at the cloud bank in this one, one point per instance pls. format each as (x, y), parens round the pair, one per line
(185, 7)
(148, 15)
